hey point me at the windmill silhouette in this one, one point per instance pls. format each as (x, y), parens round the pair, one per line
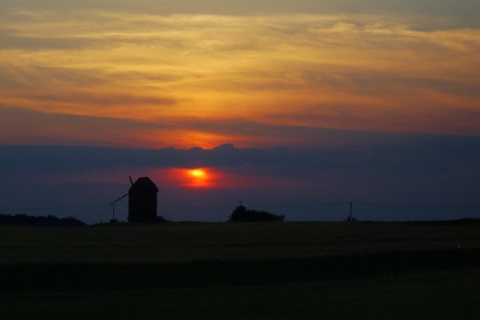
(142, 201)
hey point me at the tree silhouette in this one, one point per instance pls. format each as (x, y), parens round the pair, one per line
(242, 214)
(41, 221)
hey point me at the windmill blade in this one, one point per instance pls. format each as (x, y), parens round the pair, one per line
(131, 181)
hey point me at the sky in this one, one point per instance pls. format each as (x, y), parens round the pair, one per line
(298, 108)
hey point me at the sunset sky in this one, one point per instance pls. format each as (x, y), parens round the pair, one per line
(362, 85)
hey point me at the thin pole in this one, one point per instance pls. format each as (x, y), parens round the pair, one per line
(351, 210)
(113, 204)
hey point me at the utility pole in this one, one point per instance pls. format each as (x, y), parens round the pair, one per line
(113, 207)
(351, 211)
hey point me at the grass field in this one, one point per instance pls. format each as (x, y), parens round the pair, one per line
(241, 271)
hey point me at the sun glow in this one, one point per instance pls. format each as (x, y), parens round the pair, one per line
(198, 178)
(197, 173)
(204, 177)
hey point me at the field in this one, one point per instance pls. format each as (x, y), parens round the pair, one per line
(241, 271)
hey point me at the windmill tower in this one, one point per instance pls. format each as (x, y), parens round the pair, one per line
(142, 200)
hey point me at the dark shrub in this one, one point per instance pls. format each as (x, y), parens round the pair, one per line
(242, 214)
(39, 221)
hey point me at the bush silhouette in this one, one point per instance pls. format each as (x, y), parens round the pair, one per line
(41, 221)
(242, 214)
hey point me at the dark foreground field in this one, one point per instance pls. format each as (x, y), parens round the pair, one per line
(241, 271)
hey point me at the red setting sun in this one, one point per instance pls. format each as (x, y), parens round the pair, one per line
(197, 173)
(189, 177)
(199, 178)
(210, 178)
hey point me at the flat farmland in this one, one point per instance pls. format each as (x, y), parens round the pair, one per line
(181, 242)
(241, 271)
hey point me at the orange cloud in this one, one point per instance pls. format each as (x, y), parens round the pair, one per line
(186, 80)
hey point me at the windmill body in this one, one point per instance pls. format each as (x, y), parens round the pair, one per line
(142, 201)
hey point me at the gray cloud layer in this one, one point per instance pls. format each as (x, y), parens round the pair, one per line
(442, 173)
(424, 154)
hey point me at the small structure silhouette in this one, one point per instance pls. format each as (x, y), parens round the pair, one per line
(142, 201)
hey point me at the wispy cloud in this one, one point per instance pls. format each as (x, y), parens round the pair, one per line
(342, 71)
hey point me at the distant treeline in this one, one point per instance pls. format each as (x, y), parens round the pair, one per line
(466, 221)
(42, 221)
(455, 222)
